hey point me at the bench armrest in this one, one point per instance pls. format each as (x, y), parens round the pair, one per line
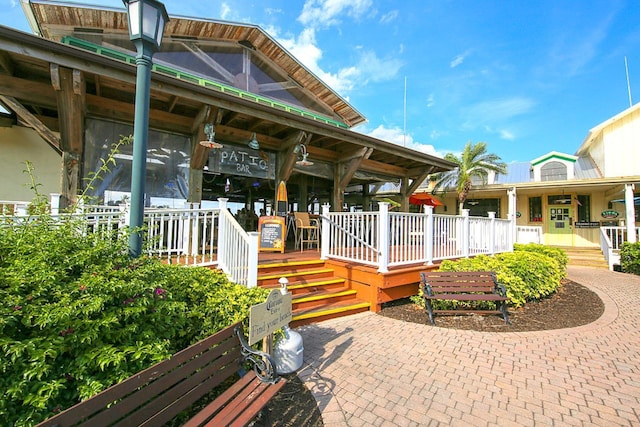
(263, 364)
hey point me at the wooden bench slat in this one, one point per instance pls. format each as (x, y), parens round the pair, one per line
(463, 286)
(261, 397)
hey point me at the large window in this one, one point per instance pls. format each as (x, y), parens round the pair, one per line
(535, 209)
(482, 207)
(553, 171)
(584, 208)
(167, 164)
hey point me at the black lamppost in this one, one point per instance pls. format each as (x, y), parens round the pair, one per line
(147, 19)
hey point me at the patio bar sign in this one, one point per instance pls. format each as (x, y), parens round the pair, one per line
(269, 316)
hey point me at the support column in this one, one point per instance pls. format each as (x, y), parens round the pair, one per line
(630, 213)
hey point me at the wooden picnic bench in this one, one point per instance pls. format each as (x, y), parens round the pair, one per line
(463, 286)
(158, 394)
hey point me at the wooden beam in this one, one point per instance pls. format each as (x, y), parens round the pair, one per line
(288, 157)
(6, 64)
(353, 166)
(416, 183)
(44, 132)
(28, 91)
(70, 93)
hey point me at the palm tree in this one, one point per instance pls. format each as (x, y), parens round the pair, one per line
(474, 162)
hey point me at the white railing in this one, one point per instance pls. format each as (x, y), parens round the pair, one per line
(353, 235)
(237, 249)
(611, 240)
(528, 234)
(387, 239)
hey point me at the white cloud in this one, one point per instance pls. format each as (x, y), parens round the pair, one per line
(368, 68)
(396, 136)
(459, 59)
(225, 11)
(389, 17)
(431, 100)
(499, 110)
(507, 134)
(325, 13)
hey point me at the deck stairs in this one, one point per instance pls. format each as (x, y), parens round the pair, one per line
(317, 294)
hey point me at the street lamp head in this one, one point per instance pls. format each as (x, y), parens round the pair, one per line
(147, 19)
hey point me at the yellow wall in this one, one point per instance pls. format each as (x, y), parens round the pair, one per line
(19, 144)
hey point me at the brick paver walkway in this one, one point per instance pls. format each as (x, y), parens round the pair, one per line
(369, 370)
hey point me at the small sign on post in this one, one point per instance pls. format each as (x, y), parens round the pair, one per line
(269, 316)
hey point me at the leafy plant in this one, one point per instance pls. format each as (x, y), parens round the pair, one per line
(630, 258)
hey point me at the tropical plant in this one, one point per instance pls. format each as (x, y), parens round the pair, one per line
(474, 162)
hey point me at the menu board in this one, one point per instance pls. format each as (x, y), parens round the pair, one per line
(272, 233)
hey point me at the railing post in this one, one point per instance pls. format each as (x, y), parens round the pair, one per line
(428, 235)
(252, 267)
(222, 238)
(466, 230)
(54, 200)
(630, 213)
(492, 233)
(383, 237)
(325, 234)
(195, 227)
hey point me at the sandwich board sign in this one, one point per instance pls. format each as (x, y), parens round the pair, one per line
(269, 316)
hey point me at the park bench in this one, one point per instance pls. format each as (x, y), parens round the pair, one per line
(463, 286)
(158, 394)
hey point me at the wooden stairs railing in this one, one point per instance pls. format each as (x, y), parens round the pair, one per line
(317, 293)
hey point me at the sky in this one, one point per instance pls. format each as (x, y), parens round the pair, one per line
(526, 77)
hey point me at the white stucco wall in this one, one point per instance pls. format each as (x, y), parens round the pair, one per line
(19, 144)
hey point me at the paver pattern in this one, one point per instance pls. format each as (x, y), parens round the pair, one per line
(370, 370)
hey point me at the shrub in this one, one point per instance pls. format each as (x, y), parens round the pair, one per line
(79, 315)
(630, 258)
(555, 254)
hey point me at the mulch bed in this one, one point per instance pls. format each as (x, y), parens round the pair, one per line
(572, 305)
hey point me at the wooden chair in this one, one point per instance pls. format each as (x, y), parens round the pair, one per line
(307, 230)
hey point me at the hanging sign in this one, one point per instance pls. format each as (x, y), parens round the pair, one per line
(610, 214)
(268, 317)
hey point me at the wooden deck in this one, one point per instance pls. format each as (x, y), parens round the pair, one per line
(372, 286)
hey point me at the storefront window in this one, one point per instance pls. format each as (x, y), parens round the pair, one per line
(167, 165)
(584, 208)
(535, 209)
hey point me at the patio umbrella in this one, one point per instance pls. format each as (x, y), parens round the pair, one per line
(424, 199)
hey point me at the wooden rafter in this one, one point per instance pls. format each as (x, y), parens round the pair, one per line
(24, 114)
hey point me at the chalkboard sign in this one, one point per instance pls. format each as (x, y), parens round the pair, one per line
(272, 233)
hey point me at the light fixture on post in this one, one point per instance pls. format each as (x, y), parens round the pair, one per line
(253, 143)
(147, 19)
(302, 150)
(210, 132)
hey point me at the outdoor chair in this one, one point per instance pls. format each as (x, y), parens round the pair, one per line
(307, 230)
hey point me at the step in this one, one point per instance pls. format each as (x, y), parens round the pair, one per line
(272, 268)
(301, 287)
(301, 276)
(322, 297)
(328, 311)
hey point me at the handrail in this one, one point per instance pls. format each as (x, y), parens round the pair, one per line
(349, 233)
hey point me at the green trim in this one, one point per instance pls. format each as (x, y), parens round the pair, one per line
(554, 156)
(197, 80)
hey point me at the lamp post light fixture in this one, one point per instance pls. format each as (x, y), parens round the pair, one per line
(147, 19)
(302, 150)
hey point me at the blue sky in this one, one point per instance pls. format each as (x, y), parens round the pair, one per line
(527, 77)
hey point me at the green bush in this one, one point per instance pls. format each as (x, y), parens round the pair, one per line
(630, 258)
(555, 254)
(79, 315)
(527, 275)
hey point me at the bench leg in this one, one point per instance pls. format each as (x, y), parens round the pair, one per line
(427, 304)
(503, 309)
